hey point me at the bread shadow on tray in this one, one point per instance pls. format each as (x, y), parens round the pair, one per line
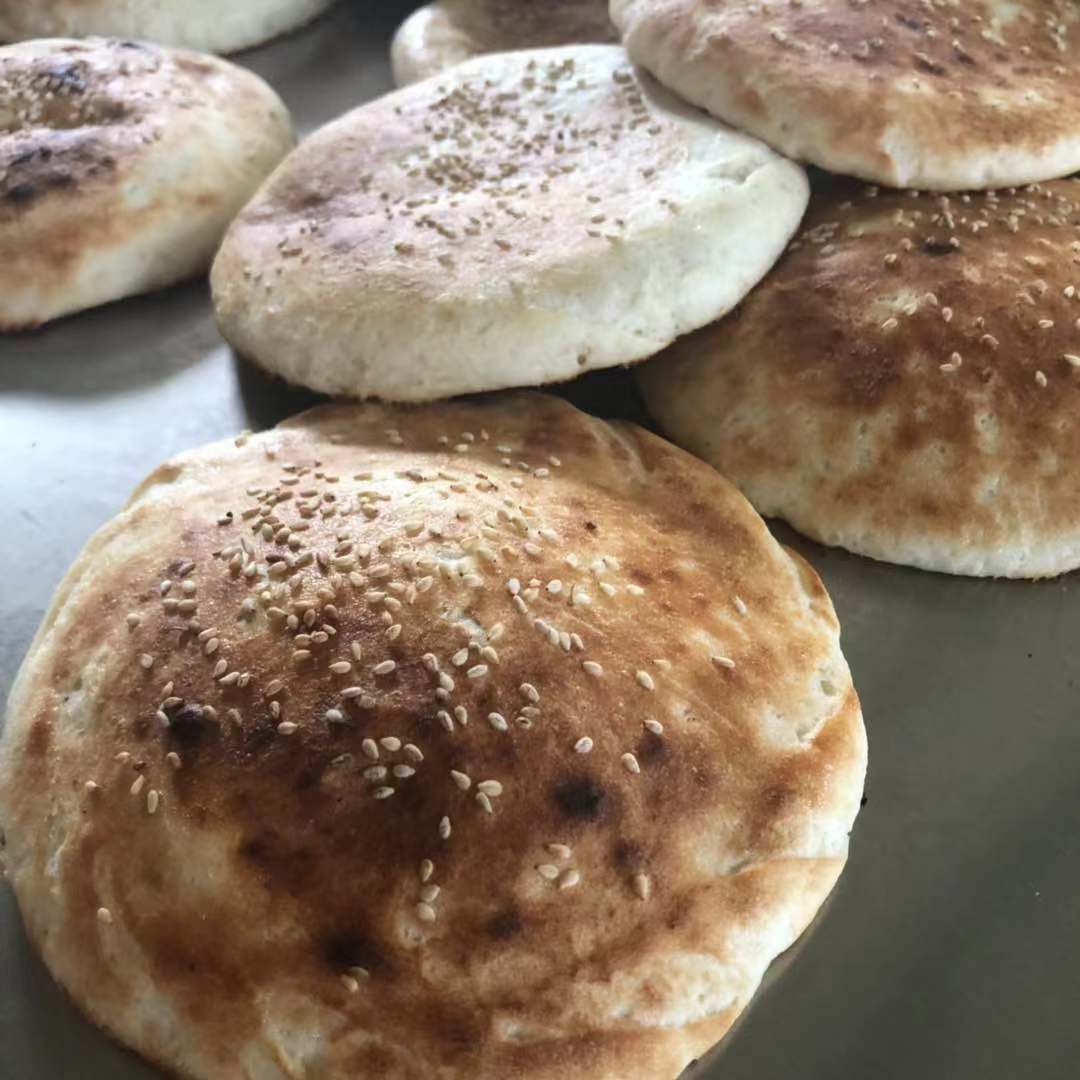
(112, 349)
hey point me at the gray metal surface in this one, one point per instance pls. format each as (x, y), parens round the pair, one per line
(950, 947)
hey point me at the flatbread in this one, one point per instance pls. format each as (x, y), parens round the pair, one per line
(205, 25)
(120, 167)
(946, 95)
(519, 220)
(473, 741)
(905, 383)
(439, 35)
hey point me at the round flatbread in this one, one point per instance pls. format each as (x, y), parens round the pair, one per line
(946, 96)
(206, 25)
(474, 741)
(439, 35)
(120, 167)
(518, 220)
(905, 383)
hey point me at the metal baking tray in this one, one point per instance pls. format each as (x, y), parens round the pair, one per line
(949, 949)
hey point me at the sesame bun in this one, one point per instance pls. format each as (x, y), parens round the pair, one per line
(207, 25)
(120, 167)
(947, 96)
(905, 383)
(474, 741)
(439, 35)
(518, 220)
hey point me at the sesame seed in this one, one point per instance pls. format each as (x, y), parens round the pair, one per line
(490, 787)
(383, 793)
(341, 667)
(642, 886)
(173, 758)
(146, 661)
(529, 692)
(133, 620)
(461, 779)
(485, 802)
(104, 916)
(561, 851)
(591, 667)
(723, 661)
(385, 668)
(427, 869)
(425, 912)
(413, 751)
(287, 727)
(90, 786)
(444, 828)
(334, 716)
(152, 799)
(584, 745)
(645, 680)
(498, 721)
(477, 671)
(569, 879)
(349, 983)
(630, 763)
(547, 871)
(654, 726)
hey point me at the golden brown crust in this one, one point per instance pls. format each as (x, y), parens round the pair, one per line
(275, 863)
(905, 382)
(946, 95)
(120, 166)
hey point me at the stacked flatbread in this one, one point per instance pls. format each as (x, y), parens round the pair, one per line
(478, 740)
(206, 25)
(521, 219)
(121, 165)
(446, 32)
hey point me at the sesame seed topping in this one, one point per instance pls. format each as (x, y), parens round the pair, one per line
(584, 745)
(569, 879)
(591, 667)
(385, 668)
(383, 793)
(104, 916)
(723, 661)
(287, 727)
(645, 680)
(444, 828)
(461, 779)
(425, 912)
(427, 870)
(547, 871)
(642, 886)
(630, 763)
(654, 726)
(498, 721)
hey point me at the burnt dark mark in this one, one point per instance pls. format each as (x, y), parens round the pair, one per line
(581, 798)
(627, 855)
(933, 245)
(651, 748)
(21, 193)
(187, 725)
(352, 950)
(909, 21)
(308, 777)
(71, 77)
(504, 926)
(864, 800)
(591, 526)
